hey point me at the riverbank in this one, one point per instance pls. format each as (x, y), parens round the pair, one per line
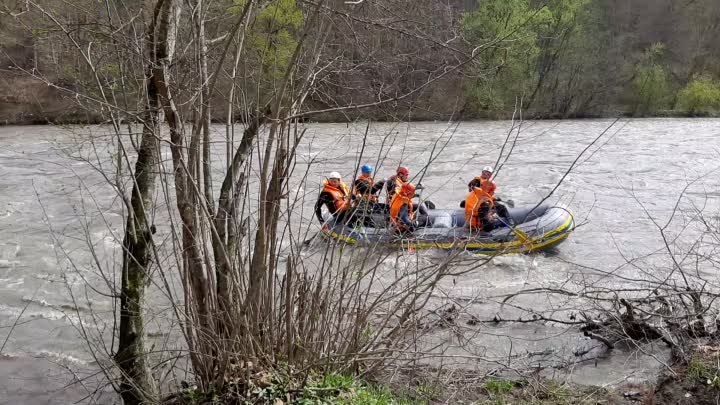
(692, 380)
(336, 389)
(26, 101)
(77, 117)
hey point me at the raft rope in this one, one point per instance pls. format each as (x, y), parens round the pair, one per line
(523, 237)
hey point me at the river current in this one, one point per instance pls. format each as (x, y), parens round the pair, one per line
(620, 190)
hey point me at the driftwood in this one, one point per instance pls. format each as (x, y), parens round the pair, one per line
(647, 324)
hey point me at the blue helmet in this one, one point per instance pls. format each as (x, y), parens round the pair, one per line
(366, 169)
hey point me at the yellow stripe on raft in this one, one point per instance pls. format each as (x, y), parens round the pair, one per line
(543, 241)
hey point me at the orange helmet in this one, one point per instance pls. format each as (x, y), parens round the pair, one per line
(402, 170)
(408, 189)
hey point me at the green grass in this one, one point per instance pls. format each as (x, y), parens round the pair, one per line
(540, 392)
(341, 389)
(338, 389)
(494, 386)
(319, 389)
(704, 371)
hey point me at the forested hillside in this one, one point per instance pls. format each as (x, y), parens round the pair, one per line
(553, 59)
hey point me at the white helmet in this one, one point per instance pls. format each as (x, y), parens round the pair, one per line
(488, 169)
(334, 175)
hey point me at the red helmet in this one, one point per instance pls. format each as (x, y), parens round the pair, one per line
(408, 189)
(402, 170)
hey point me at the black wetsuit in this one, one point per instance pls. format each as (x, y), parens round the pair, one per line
(390, 186)
(365, 207)
(363, 187)
(474, 183)
(328, 201)
(484, 211)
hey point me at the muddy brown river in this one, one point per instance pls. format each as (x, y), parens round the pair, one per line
(52, 204)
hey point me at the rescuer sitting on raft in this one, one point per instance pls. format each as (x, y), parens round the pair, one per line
(395, 182)
(365, 197)
(480, 203)
(366, 188)
(402, 216)
(335, 195)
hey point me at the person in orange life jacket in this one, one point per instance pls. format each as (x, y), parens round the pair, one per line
(395, 182)
(365, 186)
(489, 187)
(365, 199)
(335, 195)
(481, 203)
(402, 216)
(484, 181)
(478, 210)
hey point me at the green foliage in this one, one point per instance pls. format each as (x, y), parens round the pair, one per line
(498, 391)
(506, 32)
(558, 22)
(535, 50)
(555, 389)
(339, 389)
(272, 38)
(39, 32)
(333, 380)
(111, 69)
(704, 371)
(319, 389)
(495, 386)
(193, 395)
(565, 13)
(573, 60)
(428, 392)
(701, 95)
(650, 87)
(543, 392)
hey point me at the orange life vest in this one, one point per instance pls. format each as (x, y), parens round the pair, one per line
(398, 186)
(488, 185)
(339, 194)
(473, 201)
(366, 178)
(397, 203)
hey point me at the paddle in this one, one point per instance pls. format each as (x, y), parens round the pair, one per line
(309, 240)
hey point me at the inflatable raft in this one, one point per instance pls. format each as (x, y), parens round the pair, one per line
(527, 229)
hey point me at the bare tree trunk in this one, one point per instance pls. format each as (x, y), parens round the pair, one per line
(270, 192)
(233, 182)
(190, 200)
(220, 242)
(138, 385)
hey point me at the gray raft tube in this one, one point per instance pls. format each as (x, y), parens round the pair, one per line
(455, 218)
